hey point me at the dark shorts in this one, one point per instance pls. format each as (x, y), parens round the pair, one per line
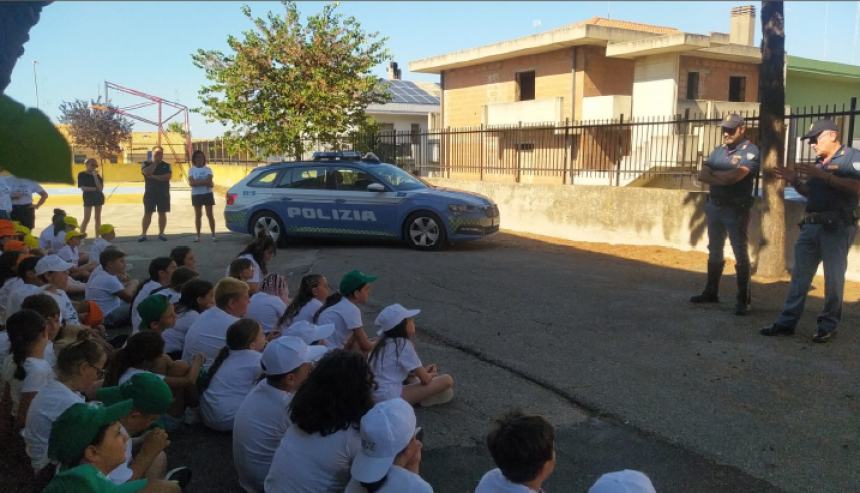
(156, 201)
(203, 199)
(24, 214)
(92, 199)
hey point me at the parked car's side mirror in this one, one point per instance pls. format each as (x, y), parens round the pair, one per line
(376, 187)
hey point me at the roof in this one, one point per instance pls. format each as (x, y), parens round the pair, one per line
(632, 26)
(408, 92)
(822, 68)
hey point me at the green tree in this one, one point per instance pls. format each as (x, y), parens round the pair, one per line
(288, 81)
(176, 127)
(96, 126)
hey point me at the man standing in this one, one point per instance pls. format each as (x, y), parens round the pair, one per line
(23, 209)
(826, 231)
(730, 171)
(156, 193)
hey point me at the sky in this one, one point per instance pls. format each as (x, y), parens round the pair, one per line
(147, 46)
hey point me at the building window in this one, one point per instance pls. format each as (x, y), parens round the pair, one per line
(525, 86)
(692, 85)
(737, 88)
(416, 133)
(112, 159)
(80, 158)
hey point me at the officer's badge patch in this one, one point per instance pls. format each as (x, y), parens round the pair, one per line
(750, 156)
(736, 160)
(856, 166)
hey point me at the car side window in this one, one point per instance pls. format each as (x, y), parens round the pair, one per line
(353, 180)
(265, 180)
(313, 178)
(285, 179)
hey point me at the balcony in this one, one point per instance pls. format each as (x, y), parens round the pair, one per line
(525, 112)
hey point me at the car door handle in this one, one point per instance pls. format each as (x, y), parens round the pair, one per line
(340, 201)
(286, 198)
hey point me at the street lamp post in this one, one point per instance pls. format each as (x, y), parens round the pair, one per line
(36, 83)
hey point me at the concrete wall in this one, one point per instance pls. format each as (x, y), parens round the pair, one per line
(810, 90)
(714, 77)
(655, 85)
(629, 216)
(402, 123)
(534, 111)
(225, 175)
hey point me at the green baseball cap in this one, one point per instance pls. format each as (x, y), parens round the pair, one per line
(151, 309)
(78, 426)
(85, 478)
(354, 280)
(147, 391)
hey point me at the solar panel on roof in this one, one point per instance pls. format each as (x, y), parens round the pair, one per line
(408, 92)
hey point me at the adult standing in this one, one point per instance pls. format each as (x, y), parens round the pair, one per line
(730, 171)
(23, 209)
(92, 186)
(156, 194)
(826, 231)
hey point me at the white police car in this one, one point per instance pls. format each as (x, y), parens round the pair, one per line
(339, 194)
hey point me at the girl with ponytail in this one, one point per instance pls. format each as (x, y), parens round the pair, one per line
(25, 370)
(313, 292)
(232, 375)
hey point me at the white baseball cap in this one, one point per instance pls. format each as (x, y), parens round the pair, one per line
(287, 353)
(52, 263)
(308, 332)
(392, 315)
(385, 431)
(626, 481)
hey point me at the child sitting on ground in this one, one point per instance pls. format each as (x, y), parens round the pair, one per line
(523, 448)
(178, 279)
(107, 233)
(313, 292)
(243, 270)
(30, 284)
(109, 292)
(394, 360)
(25, 369)
(197, 296)
(341, 309)
(54, 273)
(269, 303)
(184, 257)
(72, 254)
(160, 270)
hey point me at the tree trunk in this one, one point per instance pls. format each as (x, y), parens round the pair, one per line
(16, 19)
(771, 258)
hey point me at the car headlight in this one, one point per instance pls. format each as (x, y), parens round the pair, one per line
(459, 208)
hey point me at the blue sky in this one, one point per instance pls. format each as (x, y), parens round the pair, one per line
(147, 45)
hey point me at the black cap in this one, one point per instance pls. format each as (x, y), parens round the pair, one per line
(818, 127)
(732, 121)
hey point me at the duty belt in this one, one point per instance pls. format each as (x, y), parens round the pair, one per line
(828, 218)
(731, 202)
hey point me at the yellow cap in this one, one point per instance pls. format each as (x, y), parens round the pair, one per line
(74, 234)
(71, 221)
(105, 229)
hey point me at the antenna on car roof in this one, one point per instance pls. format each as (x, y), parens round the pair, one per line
(370, 158)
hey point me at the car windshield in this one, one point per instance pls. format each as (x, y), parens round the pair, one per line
(398, 179)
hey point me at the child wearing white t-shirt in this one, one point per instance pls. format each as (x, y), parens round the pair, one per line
(25, 370)
(341, 309)
(107, 233)
(111, 294)
(232, 375)
(197, 296)
(54, 272)
(268, 305)
(522, 467)
(160, 271)
(313, 292)
(394, 360)
(200, 179)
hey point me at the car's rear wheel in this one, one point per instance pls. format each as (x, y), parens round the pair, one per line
(268, 223)
(424, 231)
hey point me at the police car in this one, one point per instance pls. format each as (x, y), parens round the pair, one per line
(341, 194)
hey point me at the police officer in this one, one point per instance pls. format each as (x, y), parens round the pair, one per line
(826, 231)
(730, 171)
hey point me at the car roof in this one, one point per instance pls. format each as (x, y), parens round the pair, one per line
(355, 162)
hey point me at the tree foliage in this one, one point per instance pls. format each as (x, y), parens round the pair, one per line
(96, 126)
(286, 81)
(176, 127)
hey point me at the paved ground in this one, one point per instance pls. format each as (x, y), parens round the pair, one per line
(605, 346)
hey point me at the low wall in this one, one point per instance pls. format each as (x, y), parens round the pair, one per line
(628, 216)
(225, 174)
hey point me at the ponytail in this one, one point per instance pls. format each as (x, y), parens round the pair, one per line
(240, 335)
(332, 300)
(395, 333)
(140, 348)
(83, 350)
(306, 293)
(24, 328)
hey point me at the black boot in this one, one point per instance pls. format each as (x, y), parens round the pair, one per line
(712, 287)
(742, 305)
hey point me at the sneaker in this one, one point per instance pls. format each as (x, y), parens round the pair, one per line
(214, 239)
(141, 239)
(822, 335)
(705, 298)
(162, 237)
(776, 330)
(181, 475)
(441, 398)
(196, 239)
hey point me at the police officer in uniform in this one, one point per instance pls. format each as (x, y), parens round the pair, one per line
(730, 171)
(826, 231)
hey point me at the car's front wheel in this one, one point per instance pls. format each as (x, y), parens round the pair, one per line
(268, 223)
(425, 231)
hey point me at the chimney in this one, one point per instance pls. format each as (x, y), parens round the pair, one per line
(742, 25)
(393, 71)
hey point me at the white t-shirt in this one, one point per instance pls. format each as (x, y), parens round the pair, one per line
(172, 295)
(26, 188)
(266, 309)
(39, 374)
(69, 254)
(145, 291)
(174, 337)
(391, 366)
(496, 482)
(200, 173)
(17, 297)
(5, 345)
(234, 380)
(312, 463)
(259, 425)
(50, 356)
(68, 314)
(308, 311)
(6, 193)
(258, 276)
(102, 288)
(399, 480)
(8, 288)
(47, 406)
(207, 335)
(49, 242)
(97, 247)
(132, 371)
(123, 473)
(346, 317)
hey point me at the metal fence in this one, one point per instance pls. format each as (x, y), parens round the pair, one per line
(659, 152)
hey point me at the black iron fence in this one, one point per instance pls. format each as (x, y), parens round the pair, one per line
(661, 151)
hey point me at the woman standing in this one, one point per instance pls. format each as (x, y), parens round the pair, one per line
(200, 180)
(91, 185)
